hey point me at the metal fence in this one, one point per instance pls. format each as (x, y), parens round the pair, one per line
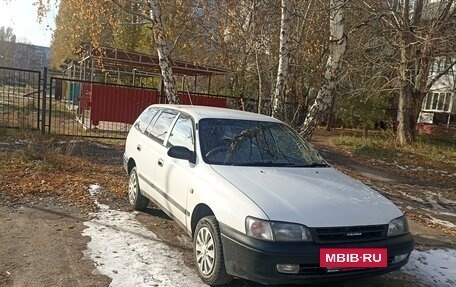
(20, 98)
(55, 105)
(93, 109)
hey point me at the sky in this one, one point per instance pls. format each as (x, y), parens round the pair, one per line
(21, 15)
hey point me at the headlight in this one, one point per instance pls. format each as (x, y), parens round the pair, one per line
(398, 226)
(290, 232)
(257, 228)
(277, 231)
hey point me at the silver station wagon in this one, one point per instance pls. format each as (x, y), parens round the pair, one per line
(259, 202)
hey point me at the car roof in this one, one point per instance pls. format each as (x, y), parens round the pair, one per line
(203, 112)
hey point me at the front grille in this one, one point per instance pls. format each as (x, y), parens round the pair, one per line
(350, 234)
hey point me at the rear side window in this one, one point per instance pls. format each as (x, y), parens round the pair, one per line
(145, 118)
(159, 129)
(182, 133)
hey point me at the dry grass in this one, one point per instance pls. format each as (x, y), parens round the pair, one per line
(427, 151)
(36, 167)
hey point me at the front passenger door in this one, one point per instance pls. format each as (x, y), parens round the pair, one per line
(175, 174)
(152, 153)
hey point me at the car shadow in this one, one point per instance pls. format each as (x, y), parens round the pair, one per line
(156, 212)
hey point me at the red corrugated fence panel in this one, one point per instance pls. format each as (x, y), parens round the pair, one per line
(119, 104)
(201, 100)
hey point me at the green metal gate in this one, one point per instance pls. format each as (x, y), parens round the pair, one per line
(20, 98)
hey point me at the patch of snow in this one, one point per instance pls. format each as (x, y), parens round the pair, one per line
(433, 267)
(401, 167)
(124, 250)
(22, 142)
(447, 213)
(430, 193)
(99, 145)
(412, 168)
(65, 142)
(94, 189)
(434, 203)
(445, 200)
(414, 198)
(441, 222)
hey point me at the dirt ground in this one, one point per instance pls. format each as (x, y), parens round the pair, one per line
(42, 211)
(43, 247)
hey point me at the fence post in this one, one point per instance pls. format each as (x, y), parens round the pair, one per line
(43, 106)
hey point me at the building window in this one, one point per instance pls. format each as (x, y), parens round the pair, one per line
(439, 64)
(439, 102)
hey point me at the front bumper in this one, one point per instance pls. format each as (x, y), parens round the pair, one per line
(257, 260)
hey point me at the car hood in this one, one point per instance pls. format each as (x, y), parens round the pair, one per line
(315, 197)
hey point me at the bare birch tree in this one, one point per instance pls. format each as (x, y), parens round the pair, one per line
(337, 45)
(164, 57)
(278, 97)
(95, 12)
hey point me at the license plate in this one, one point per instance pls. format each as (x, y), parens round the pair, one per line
(353, 257)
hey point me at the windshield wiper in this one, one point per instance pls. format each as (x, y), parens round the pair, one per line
(263, 163)
(278, 164)
(316, 164)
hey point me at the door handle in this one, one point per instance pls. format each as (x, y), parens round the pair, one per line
(138, 147)
(160, 162)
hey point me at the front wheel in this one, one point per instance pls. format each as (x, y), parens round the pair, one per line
(208, 252)
(136, 199)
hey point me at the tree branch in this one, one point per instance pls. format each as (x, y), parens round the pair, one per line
(439, 75)
(139, 14)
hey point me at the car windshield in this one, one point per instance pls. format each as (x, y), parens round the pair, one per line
(255, 143)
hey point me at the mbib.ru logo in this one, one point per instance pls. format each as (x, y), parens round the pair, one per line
(353, 257)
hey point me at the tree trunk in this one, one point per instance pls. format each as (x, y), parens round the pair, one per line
(278, 98)
(365, 130)
(163, 52)
(406, 72)
(260, 83)
(337, 44)
(403, 136)
(329, 120)
(415, 109)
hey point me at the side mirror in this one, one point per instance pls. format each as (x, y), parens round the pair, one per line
(181, 152)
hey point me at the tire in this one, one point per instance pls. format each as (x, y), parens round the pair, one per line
(208, 254)
(136, 199)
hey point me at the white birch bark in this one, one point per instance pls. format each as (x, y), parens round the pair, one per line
(163, 52)
(278, 97)
(337, 44)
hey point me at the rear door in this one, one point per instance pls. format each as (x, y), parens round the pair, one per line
(137, 137)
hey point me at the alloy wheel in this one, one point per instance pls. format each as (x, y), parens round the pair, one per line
(132, 188)
(205, 253)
